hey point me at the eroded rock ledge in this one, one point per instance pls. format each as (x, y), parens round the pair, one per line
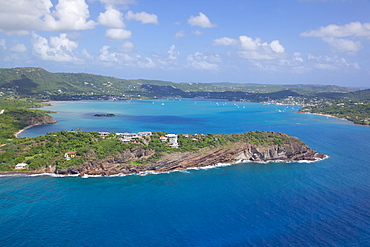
(293, 151)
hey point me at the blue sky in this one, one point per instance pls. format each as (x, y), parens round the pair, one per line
(269, 41)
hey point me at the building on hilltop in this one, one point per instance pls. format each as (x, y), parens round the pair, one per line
(173, 140)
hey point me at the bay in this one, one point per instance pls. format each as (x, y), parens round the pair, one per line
(326, 203)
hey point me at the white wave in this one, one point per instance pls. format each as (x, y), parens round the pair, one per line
(145, 173)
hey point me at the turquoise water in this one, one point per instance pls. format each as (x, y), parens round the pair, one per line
(326, 203)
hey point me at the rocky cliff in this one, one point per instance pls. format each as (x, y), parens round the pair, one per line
(295, 150)
(39, 119)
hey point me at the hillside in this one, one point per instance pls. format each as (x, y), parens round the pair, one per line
(38, 82)
(15, 115)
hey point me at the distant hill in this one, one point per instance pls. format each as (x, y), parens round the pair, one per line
(39, 82)
(357, 95)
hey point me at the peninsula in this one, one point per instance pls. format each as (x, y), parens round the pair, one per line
(92, 153)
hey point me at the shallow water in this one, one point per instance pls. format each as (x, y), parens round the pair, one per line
(326, 203)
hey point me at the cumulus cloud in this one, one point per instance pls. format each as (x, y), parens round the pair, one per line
(332, 35)
(142, 16)
(204, 62)
(19, 48)
(201, 20)
(276, 46)
(111, 18)
(351, 29)
(38, 15)
(118, 34)
(59, 49)
(224, 41)
(344, 45)
(253, 49)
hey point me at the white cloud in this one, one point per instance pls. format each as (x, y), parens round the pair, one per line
(146, 63)
(19, 48)
(126, 47)
(276, 46)
(331, 63)
(118, 34)
(111, 18)
(224, 41)
(197, 32)
(59, 49)
(298, 57)
(255, 49)
(201, 20)
(142, 16)
(69, 15)
(247, 43)
(351, 29)
(39, 15)
(107, 56)
(332, 34)
(180, 34)
(173, 53)
(204, 62)
(344, 45)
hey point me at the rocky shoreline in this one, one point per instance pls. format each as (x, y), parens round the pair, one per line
(204, 158)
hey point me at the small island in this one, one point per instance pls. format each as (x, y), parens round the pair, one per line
(104, 115)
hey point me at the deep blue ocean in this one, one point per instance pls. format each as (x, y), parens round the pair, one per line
(326, 203)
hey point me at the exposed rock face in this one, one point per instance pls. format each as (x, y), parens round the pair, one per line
(39, 120)
(294, 151)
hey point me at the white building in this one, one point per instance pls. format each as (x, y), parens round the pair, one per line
(130, 135)
(21, 166)
(173, 140)
(145, 133)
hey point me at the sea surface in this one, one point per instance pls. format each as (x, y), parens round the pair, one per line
(326, 203)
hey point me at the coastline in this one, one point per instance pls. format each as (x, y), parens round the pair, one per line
(32, 125)
(27, 127)
(327, 115)
(151, 172)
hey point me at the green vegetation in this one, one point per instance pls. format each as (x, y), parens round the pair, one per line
(74, 86)
(50, 149)
(15, 115)
(352, 110)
